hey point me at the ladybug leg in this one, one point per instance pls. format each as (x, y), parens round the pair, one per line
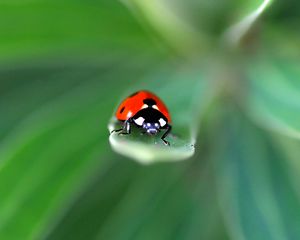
(126, 127)
(116, 130)
(169, 127)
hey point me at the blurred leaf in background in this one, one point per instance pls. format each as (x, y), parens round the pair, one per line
(64, 66)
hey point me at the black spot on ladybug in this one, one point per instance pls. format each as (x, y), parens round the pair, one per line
(135, 93)
(122, 109)
(149, 101)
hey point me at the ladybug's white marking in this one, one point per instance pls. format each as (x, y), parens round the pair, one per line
(155, 107)
(129, 114)
(139, 121)
(145, 106)
(162, 122)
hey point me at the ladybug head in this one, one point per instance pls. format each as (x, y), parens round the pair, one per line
(151, 128)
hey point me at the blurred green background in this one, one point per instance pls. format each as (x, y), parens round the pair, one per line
(64, 67)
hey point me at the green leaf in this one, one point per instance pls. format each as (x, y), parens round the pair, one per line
(131, 201)
(171, 26)
(290, 147)
(149, 149)
(56, 143)
(273, 99)
(256, 192)
(248, 14)
(194, 27)
(187, 93)
(70, 28)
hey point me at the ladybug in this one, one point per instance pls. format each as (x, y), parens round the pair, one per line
(144, 110)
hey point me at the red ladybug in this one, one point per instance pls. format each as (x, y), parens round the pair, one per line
(145, 110)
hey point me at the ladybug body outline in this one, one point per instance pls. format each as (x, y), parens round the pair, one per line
(144, 110)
